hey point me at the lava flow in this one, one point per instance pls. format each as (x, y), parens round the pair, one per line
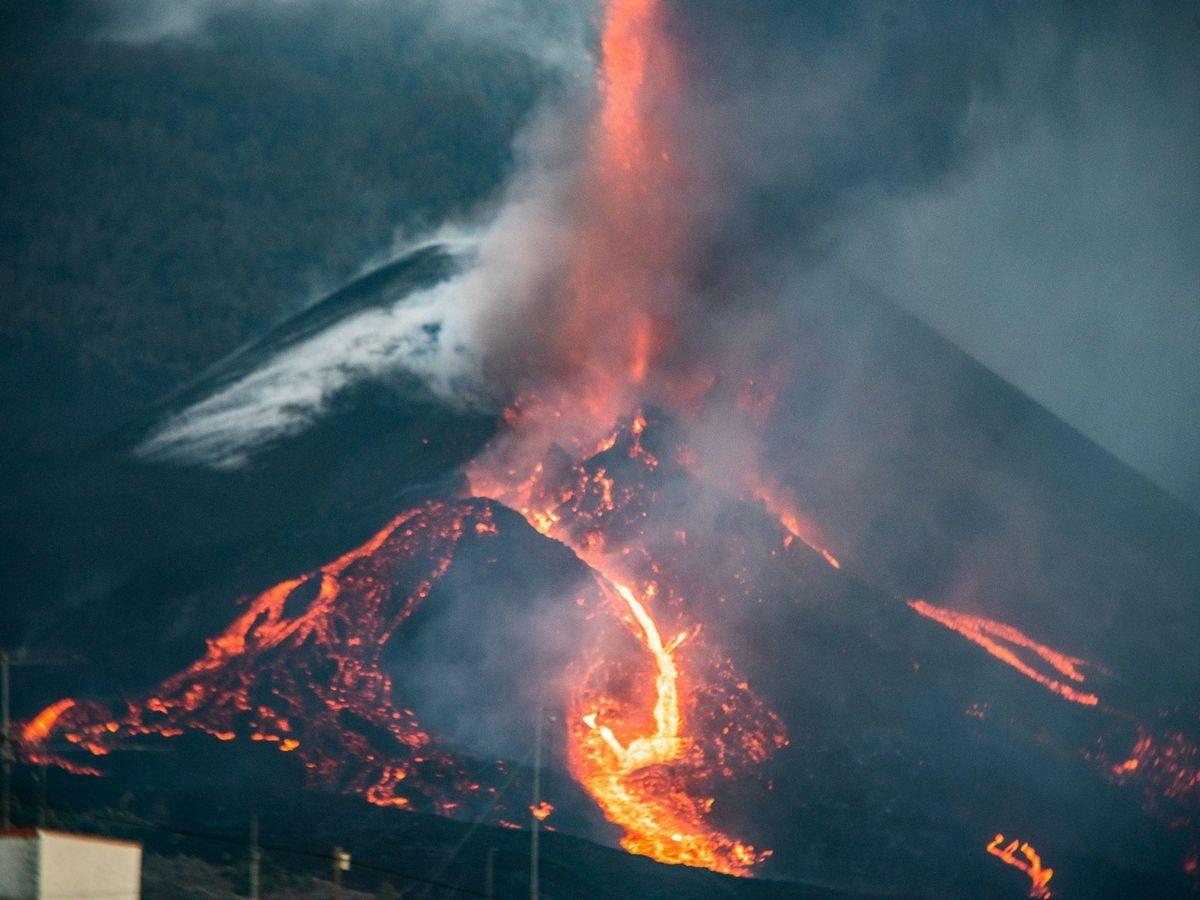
(655, 717)
(1000, 640)
(797, 526)
(1031, 865)
(651, 777)
(302, 669)
(648, 731)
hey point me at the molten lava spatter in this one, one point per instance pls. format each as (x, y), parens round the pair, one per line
(1031, 864)
(302, 669)
(1002, 640)
(616, 320)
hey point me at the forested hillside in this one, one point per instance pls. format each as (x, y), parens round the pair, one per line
(162, 202)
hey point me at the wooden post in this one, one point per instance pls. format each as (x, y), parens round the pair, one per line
(6, 751)
(255, 860)
(535, 808)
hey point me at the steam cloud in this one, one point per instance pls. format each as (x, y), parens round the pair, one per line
(284, 395)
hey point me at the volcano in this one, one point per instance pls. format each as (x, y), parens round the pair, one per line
(842, 612)
(865, 741)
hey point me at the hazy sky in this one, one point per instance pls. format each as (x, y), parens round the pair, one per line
(1069, 260)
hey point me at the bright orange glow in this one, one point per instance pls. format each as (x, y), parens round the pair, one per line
(303, 658)
(624, 46)
(542, 811)
(38, 729)
(631, 778)
(999, 640)
(779, 504)
(615, 321)
(1031, 864)
(640, 739)
(1167, 762)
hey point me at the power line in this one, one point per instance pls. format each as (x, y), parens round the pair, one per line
(296, 851)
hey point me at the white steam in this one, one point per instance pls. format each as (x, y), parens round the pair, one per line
(444, 335)
(293, 388)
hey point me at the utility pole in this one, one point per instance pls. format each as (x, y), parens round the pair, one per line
(6, 751)
(489, 874)
(255, 859)
(341, 863)
(43, 792)
(535, 807)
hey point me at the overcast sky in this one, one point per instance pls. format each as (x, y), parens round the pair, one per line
(1069, 260)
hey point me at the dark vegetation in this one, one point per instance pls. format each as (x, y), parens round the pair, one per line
(195, 830)
(161, 203)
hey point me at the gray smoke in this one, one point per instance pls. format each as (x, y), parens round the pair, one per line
(1020, 177)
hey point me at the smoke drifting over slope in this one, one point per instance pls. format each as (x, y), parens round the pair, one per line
(804, 132)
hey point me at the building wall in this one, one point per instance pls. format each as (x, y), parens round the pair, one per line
(18, 866)
(51, 865)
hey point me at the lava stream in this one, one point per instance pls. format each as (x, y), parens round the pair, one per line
(653, 720)
(1031, 865)
(999, 640)
(789, 517)
(664, 745)
(303, 669)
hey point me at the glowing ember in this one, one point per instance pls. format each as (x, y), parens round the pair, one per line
(542, 811)
(1165, 763)
(1030, 864)
(1000, 640)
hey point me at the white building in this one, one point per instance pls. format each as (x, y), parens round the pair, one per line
(36, 864)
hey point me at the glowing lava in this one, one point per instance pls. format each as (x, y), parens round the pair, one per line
(654, 716)
(302, 665)
(39, 728)
(1031, 864)
(797, 526)
(647, 732)
(664, 744)
(635, 781)
(1001, 641)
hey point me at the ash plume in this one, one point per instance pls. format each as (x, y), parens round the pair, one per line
(789, 131)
